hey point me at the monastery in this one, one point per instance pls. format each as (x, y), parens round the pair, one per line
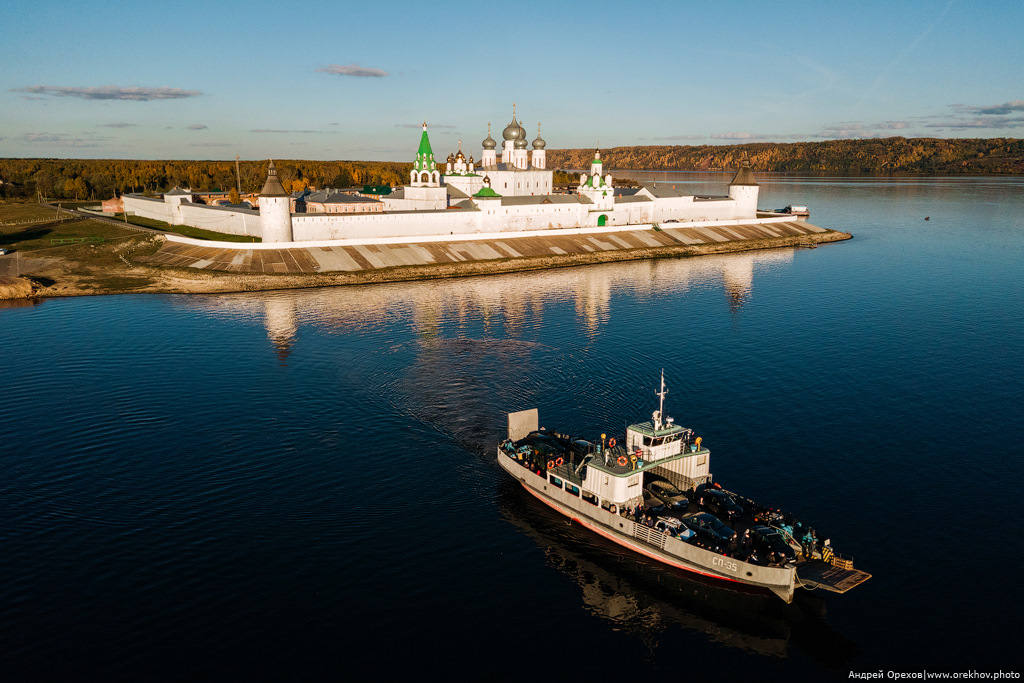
(459, 197)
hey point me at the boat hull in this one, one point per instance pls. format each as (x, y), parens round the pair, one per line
(651, 542)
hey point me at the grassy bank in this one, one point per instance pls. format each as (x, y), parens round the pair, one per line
(187, 231)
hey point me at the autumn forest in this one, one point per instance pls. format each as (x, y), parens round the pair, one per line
(85, 179)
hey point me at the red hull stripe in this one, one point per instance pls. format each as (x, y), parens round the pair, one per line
(619, 541)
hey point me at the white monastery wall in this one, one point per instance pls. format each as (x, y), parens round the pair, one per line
(451, 222)
(145, 207)
(221, 220)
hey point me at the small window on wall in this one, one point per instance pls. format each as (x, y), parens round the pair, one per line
(572, 489)
(702, 460)
(590, 498)
(555, 480)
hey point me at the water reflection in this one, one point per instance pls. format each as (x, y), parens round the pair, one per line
(280, 320)
(510, 303)
(646, 600)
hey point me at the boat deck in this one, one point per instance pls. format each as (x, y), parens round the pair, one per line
(817, 574)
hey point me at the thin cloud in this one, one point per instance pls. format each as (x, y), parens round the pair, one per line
(209, 144)
(353, 70)
(998, 109)
(982, 116)
(111, 92)
(890, 125)
(196, 126)
(994, 122)
(849, 130)
(420, 125)
(61, 140)
(738, 135)
(855, 129)
(683, 137)
(119, 124)
(274, 130)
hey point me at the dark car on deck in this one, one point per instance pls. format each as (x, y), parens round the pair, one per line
(720, 503)
(770, 545)
(702, 522)
(668, 494)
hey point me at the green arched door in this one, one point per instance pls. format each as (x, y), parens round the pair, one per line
(602, 220)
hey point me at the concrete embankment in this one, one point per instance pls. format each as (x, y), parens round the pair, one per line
(349, 263)
(181, 265)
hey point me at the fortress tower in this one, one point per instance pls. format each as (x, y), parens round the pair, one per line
(275, 209)
(744, 189)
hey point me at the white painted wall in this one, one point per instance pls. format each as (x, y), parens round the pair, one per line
(214, 218)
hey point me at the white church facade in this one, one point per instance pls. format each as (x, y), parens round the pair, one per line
(510, 193)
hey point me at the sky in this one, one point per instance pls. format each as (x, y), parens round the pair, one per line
(343, 80)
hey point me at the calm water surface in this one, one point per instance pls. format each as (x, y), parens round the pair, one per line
(302, 484)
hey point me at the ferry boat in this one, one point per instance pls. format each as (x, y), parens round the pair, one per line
(652, 491)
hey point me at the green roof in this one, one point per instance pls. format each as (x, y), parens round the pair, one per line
(424, 155)
(486, 192)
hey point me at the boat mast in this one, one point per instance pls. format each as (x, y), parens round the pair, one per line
(661, 404)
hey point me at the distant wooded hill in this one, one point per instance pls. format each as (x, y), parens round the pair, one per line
(102, 178)
(841, 157)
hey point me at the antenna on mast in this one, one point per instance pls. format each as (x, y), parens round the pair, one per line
(661, 405)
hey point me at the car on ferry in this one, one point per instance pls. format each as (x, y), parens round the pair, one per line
(769, 544)
(709, 525)
(668, 494)
(720, 503)
(545, 444)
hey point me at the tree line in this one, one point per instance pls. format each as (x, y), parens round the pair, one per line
(96, 179)
(87, 179)
(881, 156)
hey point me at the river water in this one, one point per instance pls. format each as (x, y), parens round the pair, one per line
(302, 484)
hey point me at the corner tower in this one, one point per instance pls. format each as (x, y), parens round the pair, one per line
(275, 209)
(743, 190)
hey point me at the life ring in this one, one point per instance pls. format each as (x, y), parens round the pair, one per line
(551, 464)
(612, 442)
(622, 461)
(559, 461)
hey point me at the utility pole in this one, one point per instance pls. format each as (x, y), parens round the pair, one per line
(238, 177)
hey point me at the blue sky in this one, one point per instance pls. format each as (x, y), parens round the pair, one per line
(339, 80)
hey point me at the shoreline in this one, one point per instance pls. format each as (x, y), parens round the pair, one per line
(139, 278)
